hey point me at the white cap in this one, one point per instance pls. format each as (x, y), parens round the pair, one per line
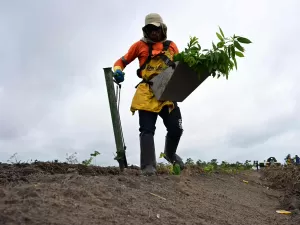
(154, 19)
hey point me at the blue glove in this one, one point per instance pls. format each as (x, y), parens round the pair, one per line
(119, 76)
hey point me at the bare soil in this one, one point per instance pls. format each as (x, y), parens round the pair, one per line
(58, 193)
(287, 180)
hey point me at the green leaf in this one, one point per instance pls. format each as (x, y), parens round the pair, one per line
(222, 57)
(229, 52)
(232, 51)
(220, 44)
(217, 57)
(219, 36)
(238, 46)
(239, 54)
(162, 155)
(221, 32)
(244, 40)
(231, 65)
(195, 49)
(176, 169)
(235, 63)
(199, 47)
(214, 46)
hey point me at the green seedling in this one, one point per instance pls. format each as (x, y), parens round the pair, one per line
(219, 60)
(88, 162)
(173, 169)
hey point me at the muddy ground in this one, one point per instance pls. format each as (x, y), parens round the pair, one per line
(55, 193)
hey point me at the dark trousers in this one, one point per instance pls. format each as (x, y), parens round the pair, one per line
(172, 122)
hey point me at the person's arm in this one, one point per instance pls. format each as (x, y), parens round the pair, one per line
(174, 47)
(130, 56)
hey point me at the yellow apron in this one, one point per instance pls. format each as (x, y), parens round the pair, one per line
(144, 98)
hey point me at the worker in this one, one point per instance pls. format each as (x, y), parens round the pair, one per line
(271, 160)
(297, 160)
(288, 159)
(155, 53)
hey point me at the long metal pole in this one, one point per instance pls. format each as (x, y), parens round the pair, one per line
(115, 117)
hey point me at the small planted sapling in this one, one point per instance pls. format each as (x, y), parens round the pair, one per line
(173, 169)
(219, 60)
(88, 162)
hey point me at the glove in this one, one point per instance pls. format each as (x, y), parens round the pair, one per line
(119, 76)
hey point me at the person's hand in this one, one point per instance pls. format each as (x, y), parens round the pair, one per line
(119, 76)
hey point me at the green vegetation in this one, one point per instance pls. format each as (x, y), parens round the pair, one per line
(206, 167)
(214, 166)
(165, 168)
(219, 60)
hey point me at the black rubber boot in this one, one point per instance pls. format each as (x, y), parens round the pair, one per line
(147, 157)
(170, 152)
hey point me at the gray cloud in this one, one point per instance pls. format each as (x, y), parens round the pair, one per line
(249, 136)
(46, 47)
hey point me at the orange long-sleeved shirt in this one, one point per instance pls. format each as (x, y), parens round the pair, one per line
(140, 50)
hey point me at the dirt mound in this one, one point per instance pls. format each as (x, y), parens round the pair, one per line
(287, 179)
(19, 172)
(60, 193)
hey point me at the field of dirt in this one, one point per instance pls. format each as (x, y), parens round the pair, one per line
(62, 194)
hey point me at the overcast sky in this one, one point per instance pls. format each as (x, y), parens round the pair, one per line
(53, 98)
